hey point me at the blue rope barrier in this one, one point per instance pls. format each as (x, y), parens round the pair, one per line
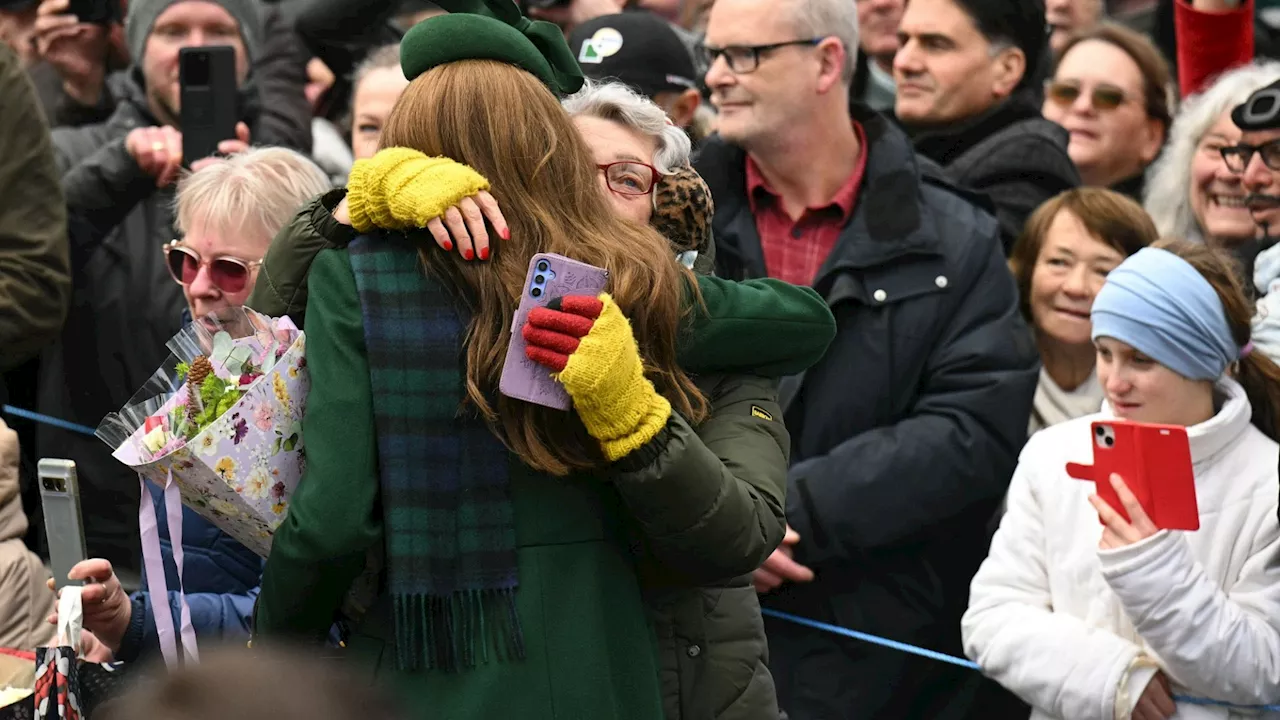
(825, 627)
(47, 420)
(962, 662)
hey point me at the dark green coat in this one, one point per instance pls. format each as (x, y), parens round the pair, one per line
(690, 525)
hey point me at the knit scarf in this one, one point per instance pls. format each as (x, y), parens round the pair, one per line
(446, 504)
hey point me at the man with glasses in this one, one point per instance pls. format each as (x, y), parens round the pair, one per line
(967, 75)
(905, 435)
(1257, 160)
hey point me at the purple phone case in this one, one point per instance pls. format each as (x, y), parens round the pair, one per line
(522, 378)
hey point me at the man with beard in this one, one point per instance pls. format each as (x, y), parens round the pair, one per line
(1257, 159)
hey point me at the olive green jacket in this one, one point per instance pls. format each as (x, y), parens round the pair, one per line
(691, 520)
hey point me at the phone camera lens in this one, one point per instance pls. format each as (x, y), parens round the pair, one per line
(1110, 441)
(542, 265)
(539, 279)
(1099, 432)
(536, 292)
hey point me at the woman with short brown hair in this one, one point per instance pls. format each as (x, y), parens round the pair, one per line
(1059, 263)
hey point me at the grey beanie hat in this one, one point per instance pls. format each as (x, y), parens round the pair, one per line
(142, 15)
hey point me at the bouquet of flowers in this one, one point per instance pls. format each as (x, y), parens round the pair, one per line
(221, 419)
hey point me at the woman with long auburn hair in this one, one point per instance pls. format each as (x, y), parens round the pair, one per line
(544, 178)
(513, 536)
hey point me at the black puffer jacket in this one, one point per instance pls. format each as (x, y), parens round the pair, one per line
(904, 436)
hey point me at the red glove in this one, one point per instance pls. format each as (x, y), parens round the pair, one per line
(553, 333)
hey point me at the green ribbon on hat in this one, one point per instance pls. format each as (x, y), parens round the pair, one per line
(491, 30)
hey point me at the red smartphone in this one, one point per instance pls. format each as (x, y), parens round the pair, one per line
(1155, 462)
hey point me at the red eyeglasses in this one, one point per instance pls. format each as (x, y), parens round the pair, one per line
(228, 274)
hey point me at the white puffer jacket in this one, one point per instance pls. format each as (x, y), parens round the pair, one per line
(1060, 622)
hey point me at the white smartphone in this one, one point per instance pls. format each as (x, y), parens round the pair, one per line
(60, 496)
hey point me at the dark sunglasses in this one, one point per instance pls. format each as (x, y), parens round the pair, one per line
(1237, 157)
(1104, 97)
(228, 274)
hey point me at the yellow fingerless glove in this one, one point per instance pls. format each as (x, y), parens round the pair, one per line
(400, 189)
(605, 377)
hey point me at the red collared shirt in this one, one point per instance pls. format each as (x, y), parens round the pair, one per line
(794, 250)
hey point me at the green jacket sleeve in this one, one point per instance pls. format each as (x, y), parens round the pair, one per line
(758, 327)
(710, 504)
(35, 280)
(333, 519)
(281, 288)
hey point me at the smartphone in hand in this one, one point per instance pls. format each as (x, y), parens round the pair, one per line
(550, 276)
(97, 12)
(1155, 462)
(209, 99)
(60, 496)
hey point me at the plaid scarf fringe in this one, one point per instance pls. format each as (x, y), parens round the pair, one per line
(458, 632)
(445, 481)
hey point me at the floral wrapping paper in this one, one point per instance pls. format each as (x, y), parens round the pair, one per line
(240, 472)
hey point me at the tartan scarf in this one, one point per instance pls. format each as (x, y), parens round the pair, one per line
(446, 495)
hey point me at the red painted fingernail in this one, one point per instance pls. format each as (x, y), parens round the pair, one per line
(484, 253)
(448, 246)
(506, 233)
(467, 254)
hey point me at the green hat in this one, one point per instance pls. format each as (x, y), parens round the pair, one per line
(491, 30)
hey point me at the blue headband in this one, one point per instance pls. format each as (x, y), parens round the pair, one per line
(1161, 305)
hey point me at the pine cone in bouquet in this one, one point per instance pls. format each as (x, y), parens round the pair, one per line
(201, 368)
(225, 425)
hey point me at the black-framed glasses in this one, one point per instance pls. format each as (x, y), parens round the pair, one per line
(629, 177)
(1103, 96)
(1238, 157)
(743, 59)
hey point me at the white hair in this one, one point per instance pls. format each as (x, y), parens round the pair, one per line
(830, 18)
(256, 191)
(1168, 188)
(618, 103)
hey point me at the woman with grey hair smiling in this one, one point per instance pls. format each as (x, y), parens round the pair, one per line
(1190, 192)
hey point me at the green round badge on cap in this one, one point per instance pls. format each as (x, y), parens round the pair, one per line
(491, 30)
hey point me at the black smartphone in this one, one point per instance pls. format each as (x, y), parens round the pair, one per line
(98, 12)
(208, 115)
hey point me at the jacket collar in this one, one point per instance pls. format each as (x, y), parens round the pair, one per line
(944, 145)
(1219, 433)
(893, 179)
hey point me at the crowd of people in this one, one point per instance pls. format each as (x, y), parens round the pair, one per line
(875, 270)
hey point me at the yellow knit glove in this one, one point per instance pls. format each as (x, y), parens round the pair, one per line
(400, 189)
(602, 371)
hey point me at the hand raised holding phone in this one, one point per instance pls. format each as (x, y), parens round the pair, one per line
(1118, 532)
(75, 39)
(158, 151)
